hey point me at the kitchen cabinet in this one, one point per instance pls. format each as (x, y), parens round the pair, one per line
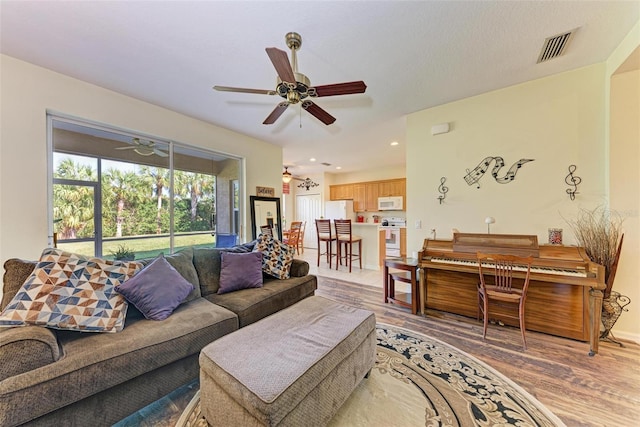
(365, 194)
(403, 242)
(359, 197)
(393, 187)
(341, 192)
(371, 197)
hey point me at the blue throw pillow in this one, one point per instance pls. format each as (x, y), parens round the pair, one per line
(157, 290)
(240, 271)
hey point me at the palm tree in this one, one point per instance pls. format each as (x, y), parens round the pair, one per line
(195, 187)
(124, 189)
(74, 204)
(159, 179)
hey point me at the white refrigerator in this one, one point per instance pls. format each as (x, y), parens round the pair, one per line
(339, 209)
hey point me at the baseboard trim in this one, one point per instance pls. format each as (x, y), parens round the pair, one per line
(630, 336)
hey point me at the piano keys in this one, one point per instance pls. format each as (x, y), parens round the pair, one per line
(565, 292)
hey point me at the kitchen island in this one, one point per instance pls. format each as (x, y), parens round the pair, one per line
(370, 243)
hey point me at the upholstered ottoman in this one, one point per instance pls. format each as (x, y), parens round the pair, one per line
(293, 368)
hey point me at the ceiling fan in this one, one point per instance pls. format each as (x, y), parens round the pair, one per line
(295, 87)
(143, 148)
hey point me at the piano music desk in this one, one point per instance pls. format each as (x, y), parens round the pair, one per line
(408, 274)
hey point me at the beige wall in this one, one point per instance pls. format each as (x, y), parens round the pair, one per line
(623, 114)
(624, 186)
(29, 91)
(558, 121)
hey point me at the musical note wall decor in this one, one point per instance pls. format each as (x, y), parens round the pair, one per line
(574, 180)
(473, 176)
(442, 189)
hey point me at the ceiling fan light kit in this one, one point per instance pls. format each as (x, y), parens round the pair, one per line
(286, 175)
(295, 87)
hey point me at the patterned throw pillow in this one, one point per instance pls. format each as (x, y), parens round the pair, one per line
(277, 257)
(69, 291)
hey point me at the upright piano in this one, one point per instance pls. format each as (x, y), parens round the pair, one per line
(565, 290)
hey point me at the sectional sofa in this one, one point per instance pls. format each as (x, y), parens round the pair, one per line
(62, 377)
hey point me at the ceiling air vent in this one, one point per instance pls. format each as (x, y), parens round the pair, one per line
(555, 46)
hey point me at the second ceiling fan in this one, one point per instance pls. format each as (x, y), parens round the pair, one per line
(295, 87)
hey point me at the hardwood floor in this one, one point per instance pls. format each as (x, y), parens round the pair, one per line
(603, 390)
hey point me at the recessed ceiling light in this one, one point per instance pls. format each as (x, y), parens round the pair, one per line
(394, 143)
(338, 167)
(313, 159)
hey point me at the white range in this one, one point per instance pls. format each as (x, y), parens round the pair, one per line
(391, 227)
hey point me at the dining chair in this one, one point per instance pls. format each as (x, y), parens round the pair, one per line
(293, 235)
(301, 238)
(500, 291)
(325, 235)
(347, 239)
(266, 229)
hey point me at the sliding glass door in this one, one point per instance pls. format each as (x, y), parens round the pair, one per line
(115, 191)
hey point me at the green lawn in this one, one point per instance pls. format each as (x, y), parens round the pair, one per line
(143, 248)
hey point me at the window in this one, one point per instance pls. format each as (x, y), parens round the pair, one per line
(112, 190)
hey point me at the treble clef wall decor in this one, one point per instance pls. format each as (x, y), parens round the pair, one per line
(474, 176)
(442, 189)
(574, 180)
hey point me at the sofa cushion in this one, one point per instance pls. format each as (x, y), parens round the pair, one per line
(240, 271)
(16, 271)
(252, 305)
(157, 290)
(183, 262)
(276, 256)
(70, 291)
(143, 346)
(207, 263)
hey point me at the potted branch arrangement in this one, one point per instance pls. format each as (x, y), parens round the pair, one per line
(599, 232)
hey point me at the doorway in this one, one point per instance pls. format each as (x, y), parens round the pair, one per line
(309, 208)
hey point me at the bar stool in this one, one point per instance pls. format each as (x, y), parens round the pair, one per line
(346, 238)
(324, 233)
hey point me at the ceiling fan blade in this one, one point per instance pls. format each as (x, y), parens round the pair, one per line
(130, 147)
(277, 112)
(341, 88)
(160, 153)
(281, 63)
(244, 90)
(318, 112)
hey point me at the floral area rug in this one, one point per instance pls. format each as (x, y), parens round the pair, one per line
(421, 381)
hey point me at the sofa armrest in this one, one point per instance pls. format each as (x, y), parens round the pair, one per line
(23, 349)
(299, 268)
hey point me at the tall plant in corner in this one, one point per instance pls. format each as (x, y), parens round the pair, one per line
(599, 231)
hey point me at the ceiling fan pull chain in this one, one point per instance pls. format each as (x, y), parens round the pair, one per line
(300, 116)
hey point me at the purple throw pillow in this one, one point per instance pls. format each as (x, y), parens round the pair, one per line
(240, 271)
(157, 290)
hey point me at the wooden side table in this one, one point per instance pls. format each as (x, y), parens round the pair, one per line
(408, 274)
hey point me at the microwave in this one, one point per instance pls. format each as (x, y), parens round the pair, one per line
(392, 203)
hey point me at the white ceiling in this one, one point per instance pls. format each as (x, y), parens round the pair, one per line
(412, 56)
